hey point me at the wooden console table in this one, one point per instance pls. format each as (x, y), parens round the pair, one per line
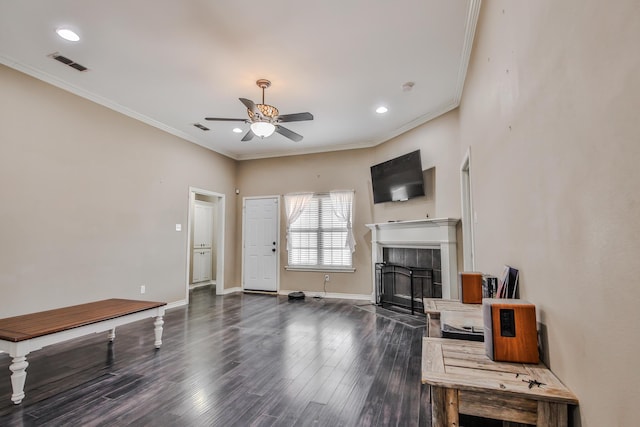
(21, 335)
(460, 313)
(464, 380)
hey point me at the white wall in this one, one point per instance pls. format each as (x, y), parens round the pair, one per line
(339, 170)
(550, 111)
(439, 145)
(90, 200)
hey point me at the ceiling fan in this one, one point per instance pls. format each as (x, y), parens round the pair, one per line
(265, 118)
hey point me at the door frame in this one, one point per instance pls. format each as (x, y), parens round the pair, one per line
(218, 236)
(244, 199)
(468, 215)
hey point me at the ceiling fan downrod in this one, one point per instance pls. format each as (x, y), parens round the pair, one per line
(263, 84)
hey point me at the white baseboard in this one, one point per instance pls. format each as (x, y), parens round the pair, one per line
(176, 304)
(334, 295)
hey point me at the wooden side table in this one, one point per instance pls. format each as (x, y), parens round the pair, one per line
(462, 313)
(464, 380)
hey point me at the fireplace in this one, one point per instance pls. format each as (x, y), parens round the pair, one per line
(422, 244)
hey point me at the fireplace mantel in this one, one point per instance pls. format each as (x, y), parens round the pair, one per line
(422, 233)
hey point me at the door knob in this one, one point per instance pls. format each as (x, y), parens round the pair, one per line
(273, 250)
(274, 243)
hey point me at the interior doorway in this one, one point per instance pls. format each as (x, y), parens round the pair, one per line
(468, 219)
(205, 240)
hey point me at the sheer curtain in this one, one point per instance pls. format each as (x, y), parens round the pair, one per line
(294, 204)
(342, 202)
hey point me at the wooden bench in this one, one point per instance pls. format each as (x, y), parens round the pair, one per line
(21, 335)
(464, 380)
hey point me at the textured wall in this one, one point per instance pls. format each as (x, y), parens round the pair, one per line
(550, 111)
(90, 199)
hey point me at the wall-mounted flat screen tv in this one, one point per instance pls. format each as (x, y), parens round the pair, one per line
(398, 179)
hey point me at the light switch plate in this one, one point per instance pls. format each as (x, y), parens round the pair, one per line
(178, 227)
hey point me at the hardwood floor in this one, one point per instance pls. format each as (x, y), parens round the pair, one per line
(237, 360)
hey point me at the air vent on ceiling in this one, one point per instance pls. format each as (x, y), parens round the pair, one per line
(71, 63)
(199, 126)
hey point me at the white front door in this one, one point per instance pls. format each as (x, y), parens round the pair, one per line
(260, 243)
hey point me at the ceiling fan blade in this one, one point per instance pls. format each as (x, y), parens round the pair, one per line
(297, 117)
(251, 106)
(288, 133)
(218, 119)
(248, 136)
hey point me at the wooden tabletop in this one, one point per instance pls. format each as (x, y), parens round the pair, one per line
(437, 305)
(20, 328)
(463, 365)
(469, 321)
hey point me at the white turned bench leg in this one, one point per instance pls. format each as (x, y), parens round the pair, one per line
(158, 331)
(112, 334)
(18, 378)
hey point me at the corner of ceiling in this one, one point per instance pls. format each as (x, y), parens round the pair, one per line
(54, 81)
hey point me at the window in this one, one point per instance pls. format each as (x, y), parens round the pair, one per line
(321, 237)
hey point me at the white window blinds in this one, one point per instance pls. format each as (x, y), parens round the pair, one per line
(319, 238)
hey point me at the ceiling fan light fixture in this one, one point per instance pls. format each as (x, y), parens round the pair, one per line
(266, 110)
(262, 129)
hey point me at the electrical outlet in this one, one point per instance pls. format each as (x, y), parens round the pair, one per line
(143, 289)
(326, 278)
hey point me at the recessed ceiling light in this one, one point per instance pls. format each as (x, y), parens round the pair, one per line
(381, 110)
(67, 34)
(237, 130)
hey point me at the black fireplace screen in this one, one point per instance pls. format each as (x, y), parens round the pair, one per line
(405, 287)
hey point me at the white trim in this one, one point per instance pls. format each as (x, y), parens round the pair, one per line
(219, 236)
(470, 31)
(204, 284)
(422, 233)
(176, 304)
(244, 199)
(55, 81)
(431, 222)
(472, 21)
(333, 295)
(321, 269)
(470, 27)
(468, 238)
(232, 290)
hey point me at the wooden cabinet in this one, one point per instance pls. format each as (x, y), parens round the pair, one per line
(201, 265)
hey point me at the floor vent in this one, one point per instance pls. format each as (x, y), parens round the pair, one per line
(199, 126)
(71, 63)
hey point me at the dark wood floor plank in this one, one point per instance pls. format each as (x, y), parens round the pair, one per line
(391, 403)
(379, 388)
(234, 360)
